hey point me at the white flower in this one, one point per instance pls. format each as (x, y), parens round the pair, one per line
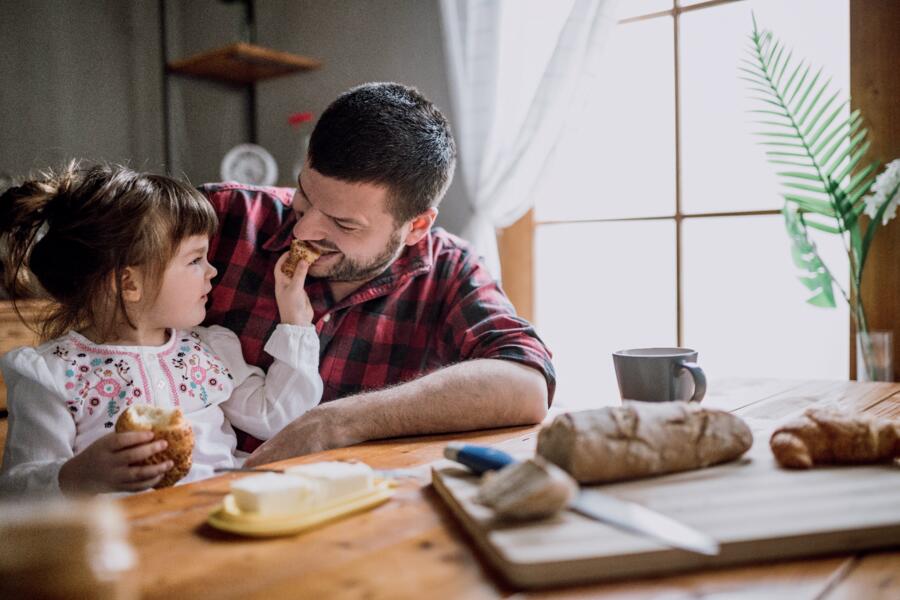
(885, 189)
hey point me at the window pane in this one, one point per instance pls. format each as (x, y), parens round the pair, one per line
(618, 158)
(636, 8)
(746, 312)
(723, 166)
(602, 287)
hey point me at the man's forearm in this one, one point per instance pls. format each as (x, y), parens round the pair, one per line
(477, 394)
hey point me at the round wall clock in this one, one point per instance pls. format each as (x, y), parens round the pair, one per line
(250, 164)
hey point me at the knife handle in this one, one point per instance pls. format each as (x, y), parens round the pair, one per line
(479, 459)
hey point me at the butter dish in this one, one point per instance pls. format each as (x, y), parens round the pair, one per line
(273, 504)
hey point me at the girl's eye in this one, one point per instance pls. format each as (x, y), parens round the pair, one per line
(345, 227)
(197, 260)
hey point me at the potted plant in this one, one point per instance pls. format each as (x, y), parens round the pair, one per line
(829, 186)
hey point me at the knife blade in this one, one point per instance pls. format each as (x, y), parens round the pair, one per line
(622, 514)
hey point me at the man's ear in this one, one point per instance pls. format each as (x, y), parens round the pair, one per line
(132, 290)
(420, 226)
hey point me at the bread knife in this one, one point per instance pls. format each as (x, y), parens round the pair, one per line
(622, 514)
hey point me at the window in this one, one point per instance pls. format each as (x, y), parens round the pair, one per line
(658, 221)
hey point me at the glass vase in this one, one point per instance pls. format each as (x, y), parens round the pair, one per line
(875, 356)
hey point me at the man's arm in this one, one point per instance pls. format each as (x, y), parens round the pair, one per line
(475, 394)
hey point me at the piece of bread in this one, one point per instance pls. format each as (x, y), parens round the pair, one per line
(299, 251)
(640, 439)
(531, 489)
(828, 437)
(166, 424)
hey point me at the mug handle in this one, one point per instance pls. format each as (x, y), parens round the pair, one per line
(699, 380)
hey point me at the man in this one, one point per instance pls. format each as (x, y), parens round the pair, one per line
(416, 337)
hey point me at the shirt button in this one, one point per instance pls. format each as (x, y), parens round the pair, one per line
(161, 384)
(326, 318)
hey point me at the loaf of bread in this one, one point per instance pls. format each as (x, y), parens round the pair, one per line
(299, 251)
(640, 439)
(531, 489)
(829, 437)
(166, 424)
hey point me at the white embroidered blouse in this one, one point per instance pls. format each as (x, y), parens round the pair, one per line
(65, 394)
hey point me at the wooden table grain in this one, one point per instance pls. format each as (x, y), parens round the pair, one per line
(412, 547)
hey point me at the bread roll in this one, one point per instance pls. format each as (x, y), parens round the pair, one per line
(640, 439)
(527, 490)
(299, 251)
(826, 436)
(166, 424)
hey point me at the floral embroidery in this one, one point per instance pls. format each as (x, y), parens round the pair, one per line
(101, 381)
(108, 388)
(198, 369)
(94, 380)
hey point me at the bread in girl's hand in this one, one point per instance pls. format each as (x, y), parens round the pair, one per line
(166, 424)
(828, 437)
(299, 251)
(531, 489)
(640, 439)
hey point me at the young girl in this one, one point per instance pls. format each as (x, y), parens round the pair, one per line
(123, 257)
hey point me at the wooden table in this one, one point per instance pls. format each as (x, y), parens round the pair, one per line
(412, 547)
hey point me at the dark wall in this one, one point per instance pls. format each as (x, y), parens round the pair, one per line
(85, 79)
(73, 83)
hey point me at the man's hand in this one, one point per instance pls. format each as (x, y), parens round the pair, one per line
(314, 431)
(293, 303)
(107, 465)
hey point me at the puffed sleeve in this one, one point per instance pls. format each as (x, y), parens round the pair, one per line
(41, 434)
(262, 404)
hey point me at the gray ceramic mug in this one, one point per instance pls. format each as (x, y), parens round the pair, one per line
(659, 374)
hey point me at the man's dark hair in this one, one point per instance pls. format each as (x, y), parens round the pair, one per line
(387, 134)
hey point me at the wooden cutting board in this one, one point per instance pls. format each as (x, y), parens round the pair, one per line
(755, 510)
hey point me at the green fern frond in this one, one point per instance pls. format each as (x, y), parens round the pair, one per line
(816, 277)
(828, 179)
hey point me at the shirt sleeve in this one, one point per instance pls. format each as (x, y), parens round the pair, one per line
(262, 404)
(41, 434)
(480, 322)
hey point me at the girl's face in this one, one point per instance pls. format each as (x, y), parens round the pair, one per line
(181, 302)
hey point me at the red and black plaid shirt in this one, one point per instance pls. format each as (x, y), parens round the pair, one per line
(435, 305)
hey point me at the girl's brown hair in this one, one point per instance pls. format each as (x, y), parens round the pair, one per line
(78, 229)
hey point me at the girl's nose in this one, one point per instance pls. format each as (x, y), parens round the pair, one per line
(211, 272)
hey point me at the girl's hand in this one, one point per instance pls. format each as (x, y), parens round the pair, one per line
(107, 465)
(293, 303)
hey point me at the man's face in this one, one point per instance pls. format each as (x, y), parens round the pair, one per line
(349, 223)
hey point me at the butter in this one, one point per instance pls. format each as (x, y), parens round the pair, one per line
(272, 494)
(335, 479)
(301, 488)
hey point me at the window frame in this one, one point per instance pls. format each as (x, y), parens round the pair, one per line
(871, 47)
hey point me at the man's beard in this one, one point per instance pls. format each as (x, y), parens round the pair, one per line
(348, 269)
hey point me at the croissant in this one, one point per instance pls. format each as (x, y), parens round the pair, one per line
(825, 436)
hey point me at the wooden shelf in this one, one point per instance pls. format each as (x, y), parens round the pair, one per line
(242, 64)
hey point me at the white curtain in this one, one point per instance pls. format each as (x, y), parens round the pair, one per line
(514, 68)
